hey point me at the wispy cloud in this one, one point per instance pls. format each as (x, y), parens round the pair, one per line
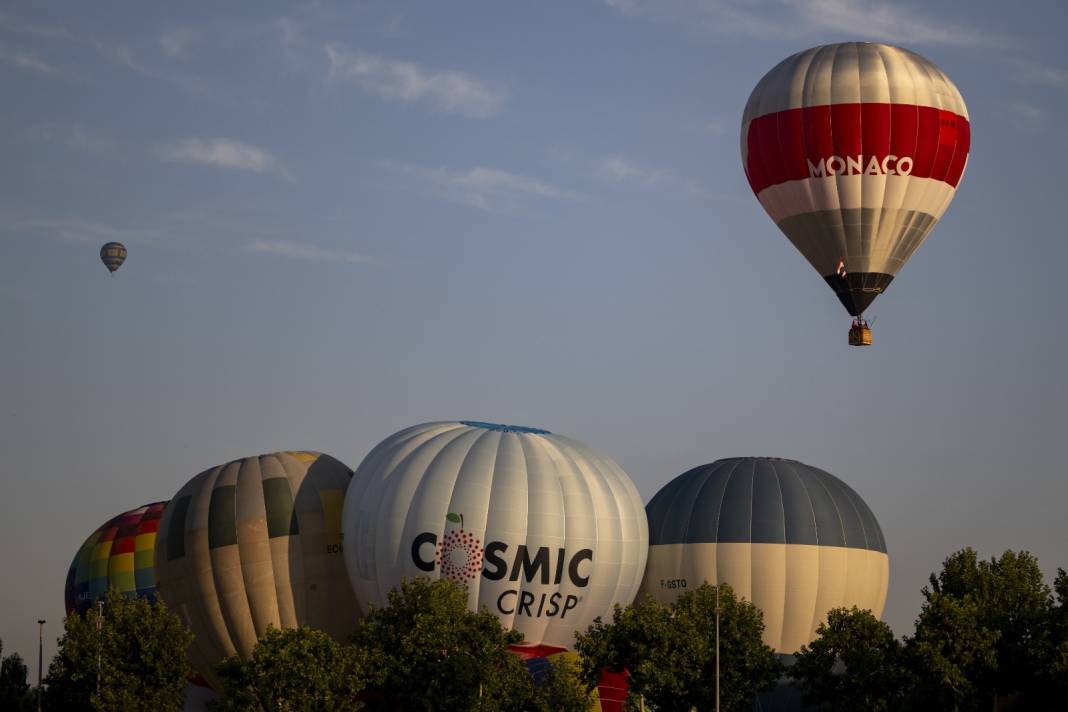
(175, 43)
(484, 188)
(119, 54)
(77, 137)
(618, 169)
(25, 60)
(1024, 115)
(79, 231)
(290, 32)
(1041, 74)
(299, 251)
(715, 127)
(224, 153)
(626, 171)
(447, 90)
(871, 19)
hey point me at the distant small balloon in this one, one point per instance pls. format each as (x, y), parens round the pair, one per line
(113, 254)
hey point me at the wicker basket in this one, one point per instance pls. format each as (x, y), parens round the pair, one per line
(860, 336)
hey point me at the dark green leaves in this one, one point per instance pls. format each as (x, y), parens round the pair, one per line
(295, 669)
(142, 663)
(855, 663)
(670, 651)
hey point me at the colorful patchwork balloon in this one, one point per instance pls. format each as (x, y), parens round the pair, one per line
(118, 555)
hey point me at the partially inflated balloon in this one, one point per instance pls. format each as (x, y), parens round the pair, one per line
(113, 254)
(855, 150)
(119, 555)
(255, 543)
(793, 539)
(544, 531)
(612, 687)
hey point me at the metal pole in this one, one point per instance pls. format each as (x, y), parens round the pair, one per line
(99, 642)
(40, 659)
(717, 647)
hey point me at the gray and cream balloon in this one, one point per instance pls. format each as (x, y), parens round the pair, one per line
(544, 531)
(793, 539)
(113, 254)
(855, 150)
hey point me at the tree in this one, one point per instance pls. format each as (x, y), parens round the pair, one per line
(855, 663)
(14, 690)
(294, 669)
(670, 651)
(636, 641)
(509, 688)
(950, 654)
(1052, 689)
(1010, 600)
(430, 652)
(139, 650)
(563, 689)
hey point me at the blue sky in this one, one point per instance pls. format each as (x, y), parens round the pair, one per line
(347, 219)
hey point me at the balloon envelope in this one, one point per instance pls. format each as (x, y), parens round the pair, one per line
(113, 254)
(544, 531)
(253, 543)
(793, 539)
(855, 150)
(120, 555)
(612, 687)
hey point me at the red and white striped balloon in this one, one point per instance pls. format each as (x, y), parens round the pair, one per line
(855, 150)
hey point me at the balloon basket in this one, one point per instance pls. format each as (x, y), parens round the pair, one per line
(860, 336)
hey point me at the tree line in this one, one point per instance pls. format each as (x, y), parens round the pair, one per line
(990, 635)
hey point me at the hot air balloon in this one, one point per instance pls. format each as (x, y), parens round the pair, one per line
(793, 539)
(253, 543)
(855, 150)
(120, 555)
(113, 254)
(612, 687)
(544, 531)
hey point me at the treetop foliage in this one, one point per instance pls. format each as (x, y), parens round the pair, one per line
(991, 634)
(127, 654)
(670, 650)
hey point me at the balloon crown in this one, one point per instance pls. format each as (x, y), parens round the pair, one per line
(760, 457)
(504, 428)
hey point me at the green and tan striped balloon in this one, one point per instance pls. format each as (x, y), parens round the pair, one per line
(254, 543)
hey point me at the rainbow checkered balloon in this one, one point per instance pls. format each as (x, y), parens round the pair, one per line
(121, 555)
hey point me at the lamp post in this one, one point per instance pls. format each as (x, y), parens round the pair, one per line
(717, 647)
(40, 659)
(99, 642)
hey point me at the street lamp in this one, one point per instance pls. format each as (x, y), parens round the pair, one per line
(717, 646)
(99, 643)
(40, 659)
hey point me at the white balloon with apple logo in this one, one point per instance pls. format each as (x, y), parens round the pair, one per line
(542, 530)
